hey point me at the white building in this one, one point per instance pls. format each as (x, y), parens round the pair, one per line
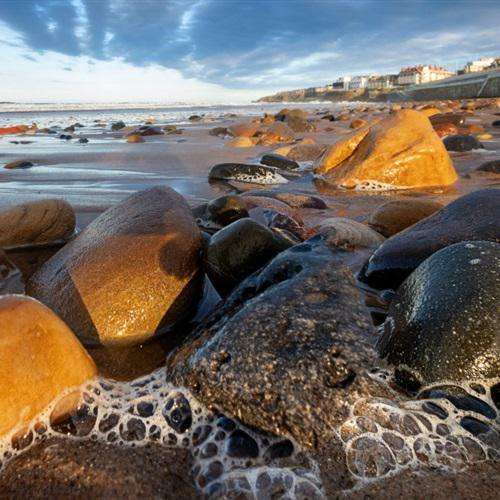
(342, 83)
(381, 82)
(358, 82)
(479, 65)
(422, 73)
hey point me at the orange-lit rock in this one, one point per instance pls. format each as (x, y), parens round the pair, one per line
(243, 129)
(40, 358)
(397, 152)
(358, 123)
(430, 112)
(277, 133)
(135, 138)
(240, 142)
(446, 129)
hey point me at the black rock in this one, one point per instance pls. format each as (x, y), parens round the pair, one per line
(118, 125)
(83, 140)
(446, 118)
(287, 350)
(279, 161)
(328, 117)
(474, 216)
(66, 137)
(281, 449)
(218, 131)
(238, 250)
(195, 118)
(443, 322)
(241, 445)
(242, 172)
(177, 412)
(490, 166)
(461, 142)
(496, 123)
(146, 130)
(226, 209)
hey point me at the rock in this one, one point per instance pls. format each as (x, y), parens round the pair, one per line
(218, 131)
(238, 250)
(39, 359)
(496, 123)
(287, 351)
(118, 125)
(428, 112)
(460, 142)
(62, 468)
(328, 117)
(340, 232)
(195, 118)
(286, 113)
(443, 322)
(274, 160)
(83, 140)
(398, 152)
(243, 130)
(291, 199)
(306, 152)
(131, 274)
(71, 129)
(36, 222)
(299, 123)
(240, 142)
(65, 137)
(277, 133)
(223, 211)
(395, 215)
(484, 137)
(10, 276)
(135, 138)
(146, 130)
(273, 204)
(471, 217)
(256, 174)
(490, 166)
(446, 129)
(358, 123)
(19, 164)
(172, 130)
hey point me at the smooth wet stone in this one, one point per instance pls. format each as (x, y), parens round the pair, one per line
(223, 211)
(340, 232)
(118, 125)
(36, 222)
(306, 152)
(243, 130)
(177, 412)
(400, 151)
(461, 142)
(446, 129)
(238, 250)
(443, 322)
(280, 222)
(256, 174)
(393, 216)
(287, 351)
(18, 164)
(445, 118)
(131, 274)
(292, 199)
(277, 133)
(40, 358)
(279, 161)
(273, 204)
(146, 130)
(492, 166)
(471, 217)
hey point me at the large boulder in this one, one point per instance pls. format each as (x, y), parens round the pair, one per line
(287, 351)
(132, 273)
(474, 216)
(398, 152)
(36, 222)
(40, 358)
(443, 322)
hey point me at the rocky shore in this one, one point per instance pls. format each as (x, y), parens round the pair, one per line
(314, 315)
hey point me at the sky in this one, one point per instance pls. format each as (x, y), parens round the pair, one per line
(214, 51)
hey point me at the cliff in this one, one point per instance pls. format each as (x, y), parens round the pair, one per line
(304, 95)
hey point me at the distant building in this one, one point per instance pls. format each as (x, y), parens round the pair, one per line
(381, 82)
(358, 82)
(479, 65)
(422, 73)
(342, 83)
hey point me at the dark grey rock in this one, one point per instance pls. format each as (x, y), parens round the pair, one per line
(292, 199)
(146, 130)
(83, 140)
(287, 351)
(18, 164)
(496, 123)
(238, 250)
(443, 322)
(218, 131)
(474, 216)
(446, 118)
(220, 212)
(461, 142)
(492, 166)
(118, 125)
(279, 161)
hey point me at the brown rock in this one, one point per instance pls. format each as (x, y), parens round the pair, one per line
(446, 129)
(240, 142)
(395, 215)
(18, 164)
(278, 132)
(273, 204)
(39, 359)
(36, 222)
(358, 123)
(132, 273)
(398, 152)
(60, 468)
(135, 138)
(306, 152)
(243, 130)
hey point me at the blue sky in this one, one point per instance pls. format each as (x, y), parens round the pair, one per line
(225, 50)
